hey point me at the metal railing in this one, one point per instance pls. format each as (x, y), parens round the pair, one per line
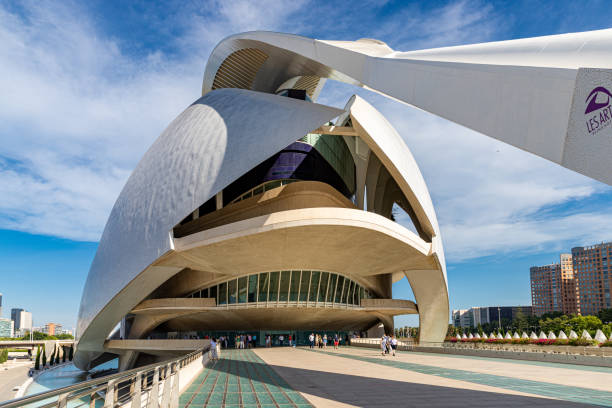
(118, 389)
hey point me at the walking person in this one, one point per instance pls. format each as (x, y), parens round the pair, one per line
(383, 345)
(336, 341)
(393, 344)
(325, 341)
(311, 339)
(249, 340)
(214, 355)
(290, 340)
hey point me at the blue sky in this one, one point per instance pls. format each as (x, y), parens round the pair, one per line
(88, 86)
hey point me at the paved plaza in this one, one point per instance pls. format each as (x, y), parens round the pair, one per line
(285, 377)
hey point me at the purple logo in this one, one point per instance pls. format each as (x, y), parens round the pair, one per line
(592, 99)
(598, 110)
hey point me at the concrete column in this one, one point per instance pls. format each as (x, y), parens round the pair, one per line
(219, 200)
(137, 391)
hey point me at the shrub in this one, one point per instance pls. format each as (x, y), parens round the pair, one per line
(606, 344)
(581, 342)
(44, 357)
(3, 356)
(37, 363)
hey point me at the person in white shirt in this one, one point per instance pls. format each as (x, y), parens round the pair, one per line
(214, 355)
(393, 344)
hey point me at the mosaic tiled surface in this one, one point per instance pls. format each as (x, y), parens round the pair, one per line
(240, 379)
(574, 394)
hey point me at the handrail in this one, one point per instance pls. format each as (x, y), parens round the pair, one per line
(109, 382)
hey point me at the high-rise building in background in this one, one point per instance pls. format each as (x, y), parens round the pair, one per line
(488, 315)
(6, 328)
(593, 276)
(578, 284)
(569, 290)
(546, 288)
(52, 329)
(22, 319)
(0, 304)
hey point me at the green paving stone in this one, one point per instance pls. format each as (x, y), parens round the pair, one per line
(232, 388)
(199, 399)
(280, 398)
(248, 398)
(232, 398)
(265, 398)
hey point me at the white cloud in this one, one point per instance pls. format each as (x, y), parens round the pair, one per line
(78, 111)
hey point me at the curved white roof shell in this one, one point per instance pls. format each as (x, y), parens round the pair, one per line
(531, 93)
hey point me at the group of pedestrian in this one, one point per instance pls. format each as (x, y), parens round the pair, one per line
(316, 340)
(388, 344)
(242, 341)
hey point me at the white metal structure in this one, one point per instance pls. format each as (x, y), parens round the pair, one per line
(546, 95)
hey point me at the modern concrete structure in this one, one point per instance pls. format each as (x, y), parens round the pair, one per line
(258, 208)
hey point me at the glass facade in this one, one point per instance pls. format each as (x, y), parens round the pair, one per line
(299, 287)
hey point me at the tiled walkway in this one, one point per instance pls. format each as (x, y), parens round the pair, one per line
(546, 389)
(240, 379)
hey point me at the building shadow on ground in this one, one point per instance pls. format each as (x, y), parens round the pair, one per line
(360, 390)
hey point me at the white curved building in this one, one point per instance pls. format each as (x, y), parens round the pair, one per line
(258, 209)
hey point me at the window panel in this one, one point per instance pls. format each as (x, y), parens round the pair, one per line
(252, 292)
(264, 282)
(205, 293)
(305, 281)
(295, 286)
(213, 293)
(339, 287)
(331, 287)
(223, 293)
(348, 292)
(323, 286)
(231, 291)
(283, 294)
(314, 285)
(273, 293)
(242, 289)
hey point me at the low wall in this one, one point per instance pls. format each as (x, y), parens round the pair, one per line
(551, 357)
(186, 376)
(590, 356)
